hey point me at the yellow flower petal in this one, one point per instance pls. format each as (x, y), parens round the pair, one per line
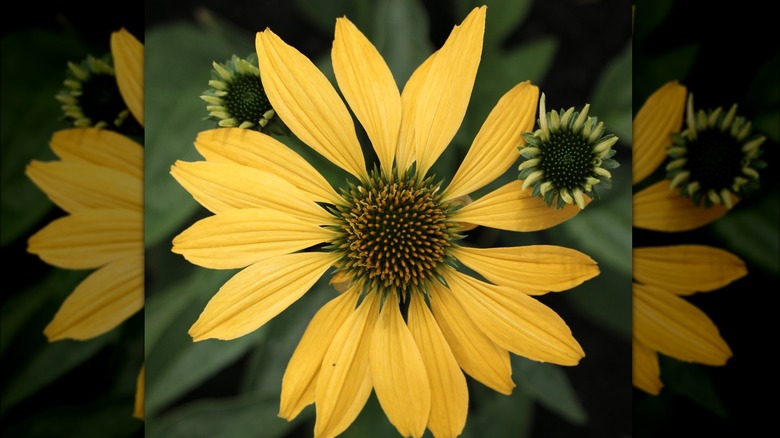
(89, 238)
(225, 186)
(300, 377)
(406, 150)
(138, 407)
(515, 321)
(308, 104)
(511, 208)
(449, 393)
(479, 357)
(239, 238)
(443, 97)
(253, 149)
(661, 115)
(344, 382)
(494, 149)
(81, 186)
(101, 147)
(101, 302)
(368, 86)
(258, 293)
(659, 209)
(685, 269)
(646, 373)
(670, 325)
(534, 270)
(397, 372)
(128, 54)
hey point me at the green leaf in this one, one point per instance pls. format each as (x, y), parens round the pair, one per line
(693, 382)
(606, 300)
(500, 415)
(178, 54)
(764, 97)
(401, 36)
(751, 231)
(33, 68)
(612, 97)
(106, 418)
(323, 14)
(650, 14)
(503, 16)
(237, 417)
(651, 72)
(549, 385)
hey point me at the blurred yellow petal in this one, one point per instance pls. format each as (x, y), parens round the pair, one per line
(81, 186)
(128, 54)
(661, 115)
(138, 408)
(300, 377)
(479, 356)
(515, 321)
(100, 147)
(494, 149)
(535, 269)
(646, 373)
(511, 208)
(659, 209)
(398, 373)
(239, 238)
(225, 186)
(344, 382)
(253, 149)
(442, 99)
(449, 393)
(406, 149)
(369, 88)
(258, 293)
(670, 325)
(101, 302)
(685, 269)
(308, 104)
(89, 238)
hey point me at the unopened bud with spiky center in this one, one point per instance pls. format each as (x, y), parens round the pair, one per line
(715, 158)
(567, 156)
(237, 98)
(91, 97)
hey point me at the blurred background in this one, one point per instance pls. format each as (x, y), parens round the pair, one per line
(576, 51)
(66, 388)
(723, 56)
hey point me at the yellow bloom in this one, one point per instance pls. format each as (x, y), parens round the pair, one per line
(664, 322)
(408, 320)
(98, 181)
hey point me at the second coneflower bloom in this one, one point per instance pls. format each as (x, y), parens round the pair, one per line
(408, 320)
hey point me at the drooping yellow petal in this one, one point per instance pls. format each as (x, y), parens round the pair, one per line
(89, 238)
(81, 186)
(239, 238)
(101, 147)
(138, 406)
(494, 149)
(511, 208)
(659, 209)
(300, 377)
(670, 325)
(128, 54)
(254, 149)
(308, 104)
(449, 393)
(344, 381)
(405, 152)
(398, 373)
(225, 186)
(101, 302)
(479, 356)
(685, 269)
(535, 269)
(646, 373)
(443, 97)
(369, 88)
(258, 293)
(661, 115)
(515, 321)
